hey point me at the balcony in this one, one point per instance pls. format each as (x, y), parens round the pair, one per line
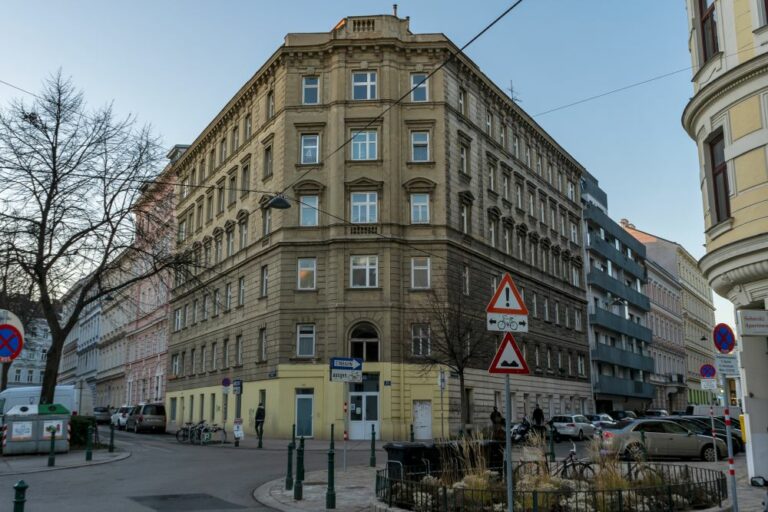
(620, 324)
(607, 354)
(617, 288)
(610, 252)
(624, 387)
(594, 214)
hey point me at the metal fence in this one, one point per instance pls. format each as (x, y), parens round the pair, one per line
(680, 487)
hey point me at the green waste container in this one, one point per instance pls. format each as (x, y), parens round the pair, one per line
(27, 429)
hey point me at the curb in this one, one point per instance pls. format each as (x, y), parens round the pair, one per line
(122, 456)
(261, 495)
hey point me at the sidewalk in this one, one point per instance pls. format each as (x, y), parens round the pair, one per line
(23, 464)
(313, 445)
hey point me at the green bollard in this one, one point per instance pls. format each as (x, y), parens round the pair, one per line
(372, 462)
(111, 438)
(330, 495)
(52, 452)
(645, 447)
(289, 473)
(552, 444)
(88, 445)
(298, 486)
(21, 496)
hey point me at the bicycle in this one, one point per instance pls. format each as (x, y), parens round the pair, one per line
(213, 433)
(182, 435)
(572, 468)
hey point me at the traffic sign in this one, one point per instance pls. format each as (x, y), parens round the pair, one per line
(725, 340)
(11, 343)
(727, 365)
(508, 358)
(226, 382)
(507, 300)
(506, 323)
(707, 371)
(237, 387)
(709, 384)
(237, 430)
(346, 369)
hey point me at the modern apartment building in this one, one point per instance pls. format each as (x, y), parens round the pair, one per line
(619, 336)
(727, 118)
(441, 193)
(698, 312)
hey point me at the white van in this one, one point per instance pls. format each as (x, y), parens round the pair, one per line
(70, 396)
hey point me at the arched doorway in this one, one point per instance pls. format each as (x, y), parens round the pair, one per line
(364, 403)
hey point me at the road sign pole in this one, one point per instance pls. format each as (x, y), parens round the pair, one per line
(508, 443)
(238, 410)
(731, 470)
(712, 420)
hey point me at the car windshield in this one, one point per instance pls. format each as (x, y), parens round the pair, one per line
(154, 410)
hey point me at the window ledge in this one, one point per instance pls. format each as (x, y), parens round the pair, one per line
(304, 359)
(493, 193)
(306, 290)
(426, 163)
(761, 30)
(377, 161)
(416, 290)
(364, 288)
(265, 179)
(309, 166)
(719, 228)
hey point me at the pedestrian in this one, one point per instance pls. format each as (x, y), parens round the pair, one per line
(538, 416)
(495, 416)
(260, 414)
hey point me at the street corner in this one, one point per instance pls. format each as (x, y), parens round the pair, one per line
(24, 464)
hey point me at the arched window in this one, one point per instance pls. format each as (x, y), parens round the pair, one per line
(364, 342)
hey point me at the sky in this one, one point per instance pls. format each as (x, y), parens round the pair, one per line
(175, 64)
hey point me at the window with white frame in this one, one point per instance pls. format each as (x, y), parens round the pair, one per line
(507, 240)
(493, 227)
(364, 207)
(308, 213)
(175, 364)
(577, 320)
(239, 350)
(491, 176)
(264, 280)
(364, 271)
(310, 90)
(463, 101)
(227, 296)
(177, 319)
(365, 145)
(420, 272)
(505, 186)
(305, 340)
(262, 350)
(364, 85)
(230, 242)
(419, 87)
(270, 104)
(488, 122)
(310, 148)
(528, 155)
(241, 291)
(420, 340)
(420, 146)
(242, 227)
(266, 221)
(571, 190)
(516, 146)
(464, 213)
(519, 196)
(420, 208)
(214, 356)
(206, 306)
(248, 127)
(464, 158)
(306, 273)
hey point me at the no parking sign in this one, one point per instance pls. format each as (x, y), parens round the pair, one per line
(11, 336)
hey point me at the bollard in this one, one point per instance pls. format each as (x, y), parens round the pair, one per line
(21, 496)
(330, 496)
(298, 486)
(552, 444)
(289, 473)
(111, 438)
(412, 437)
(52, 452)
(261, 434)
(372, 462)
(88, 445)
(642, 440)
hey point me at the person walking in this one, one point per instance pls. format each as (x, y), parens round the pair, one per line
(260, 415)
(538, 416)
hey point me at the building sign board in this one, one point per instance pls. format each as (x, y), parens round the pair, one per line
(752, 322)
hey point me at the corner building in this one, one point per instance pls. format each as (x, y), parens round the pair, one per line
(446, 191)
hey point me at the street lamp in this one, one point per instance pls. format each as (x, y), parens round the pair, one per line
(278, 202)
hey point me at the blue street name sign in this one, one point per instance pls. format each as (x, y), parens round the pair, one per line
(346, 369)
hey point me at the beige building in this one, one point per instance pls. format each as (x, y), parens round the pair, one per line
(390, 200)
(726, 117)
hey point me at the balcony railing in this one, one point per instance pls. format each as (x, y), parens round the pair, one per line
(624, 387)
(603, 280)
(596, 215)
(609, 251)
(613, 355)
(619, 324)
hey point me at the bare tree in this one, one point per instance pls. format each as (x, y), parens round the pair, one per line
(458, 339)
(71, 176)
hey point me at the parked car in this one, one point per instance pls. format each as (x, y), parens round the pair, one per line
(698, 427)
(720, 428)
(574, 426)
(102, 414)
(663, 439)
(120, 416)
(623, 415)
(656, 413)
(146, 417)
(602, 421)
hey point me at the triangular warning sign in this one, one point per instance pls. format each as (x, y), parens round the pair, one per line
(508, 358)
(507, 299)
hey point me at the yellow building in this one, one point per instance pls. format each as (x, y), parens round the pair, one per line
(727, 119)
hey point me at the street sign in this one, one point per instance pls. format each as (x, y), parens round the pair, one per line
(709, 384)
(707, 371)
(507, 300)
(237, 387)
(226, 382)
(346, 369)
(752, 322)
(507, 323)
(11, 342)
(508, 358)
(727, 365)
(237, 429)
(725, 340)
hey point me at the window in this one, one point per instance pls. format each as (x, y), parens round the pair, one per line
(305, 340)
(214, 356)
(211, 160)
(419, 146)
(230, 242)
(175, 364)
(241, 291)
(464, 158)
(508, 240)
(220, 196)
(243, 232)
(420, 272)
(488, 122)
(364, 145)
(539, 162)
(531, 207)
(575, 273)
(268, 161)
(419, 87)
(364, 342)
(266, 221)
(516, 146)
(505, 186)
(217, 246)
(310, 148)
(719, 179)
(519, 195)
(262, 349)
(420, 343)
(270, 104)
(465, 279)
(225, 353)
(199, 216)
(245, 179)
(553, 218)
(581, 367)
(177, 319)
(491, 177)
(419, 208)
(206, 304)
(204, 359)
(235, 139)
(493, 226)
(193, 320)
(542, 211)
(527, 155)
(574, 233)
(503, 134)
(708, 20)
(264, 280)
(184, 189)
(364, 85)
(306, 273)
(248, 127)
(216, 301)
(364, 207)
(546, 309)
(182, 230)
(557, 312)
(209, 207)
(308, 210)
(222, 150)
(239, 350)
(465, 220)
(463, 102)
(577, 320)
(364, 271)
(534, 305)
(310, 90)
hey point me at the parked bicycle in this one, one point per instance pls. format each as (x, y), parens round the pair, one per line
(212, 434)
(570, 468)
(189, 432)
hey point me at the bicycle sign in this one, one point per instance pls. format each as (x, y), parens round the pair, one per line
(507, 323)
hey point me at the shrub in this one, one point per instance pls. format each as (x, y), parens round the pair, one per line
(79, 426)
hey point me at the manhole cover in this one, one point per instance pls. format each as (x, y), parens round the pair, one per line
(184, 502)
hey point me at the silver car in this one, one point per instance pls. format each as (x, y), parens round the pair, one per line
(663, 439)
(145, 417)
(573, 425)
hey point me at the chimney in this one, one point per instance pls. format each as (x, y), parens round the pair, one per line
(624, 223)
(394, 10)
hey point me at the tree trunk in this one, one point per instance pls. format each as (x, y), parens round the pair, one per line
(463, 405)
(4, 377)
(52, 368)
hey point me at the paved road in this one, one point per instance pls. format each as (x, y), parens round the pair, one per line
(189, 478)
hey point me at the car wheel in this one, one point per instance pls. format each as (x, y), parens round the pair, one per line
(581, 435)
(708, 453)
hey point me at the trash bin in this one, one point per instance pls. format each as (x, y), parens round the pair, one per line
(26, 430)
(406, 458)
(53, 416)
